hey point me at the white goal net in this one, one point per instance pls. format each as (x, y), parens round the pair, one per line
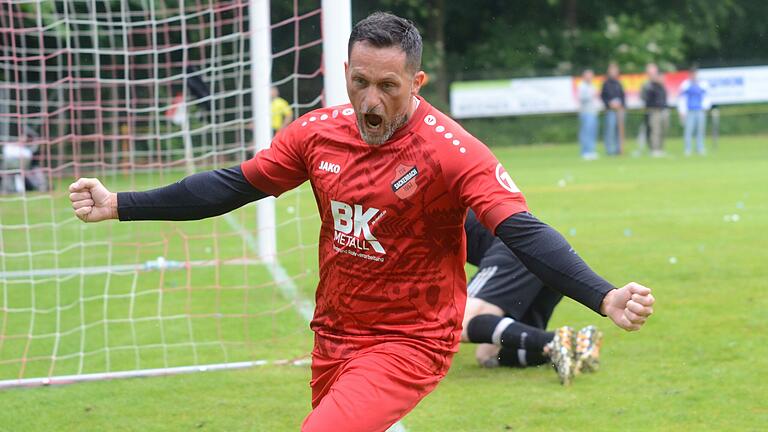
(139, 93)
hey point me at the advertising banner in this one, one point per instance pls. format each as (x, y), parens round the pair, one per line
(737, 85)
(512, 97)
(524, 96)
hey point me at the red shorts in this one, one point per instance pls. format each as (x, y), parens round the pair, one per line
(372, 389)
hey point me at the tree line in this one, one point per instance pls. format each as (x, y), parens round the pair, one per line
(506, 38)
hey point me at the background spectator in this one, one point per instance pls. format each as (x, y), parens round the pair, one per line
(282, 114)
(588, 121)
(654, 97)
(17, 162)
(692, 105)
(612, 95)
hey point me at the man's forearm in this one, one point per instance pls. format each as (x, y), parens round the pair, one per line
(549, 256)
(198, 196)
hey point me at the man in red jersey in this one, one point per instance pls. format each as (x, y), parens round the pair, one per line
(393, 179)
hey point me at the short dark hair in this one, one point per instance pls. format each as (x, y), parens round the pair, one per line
(384, 30)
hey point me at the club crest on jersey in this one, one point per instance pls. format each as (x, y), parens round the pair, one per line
(404, 183)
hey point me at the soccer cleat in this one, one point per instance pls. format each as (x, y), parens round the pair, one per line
(561, 354)
(587, 353)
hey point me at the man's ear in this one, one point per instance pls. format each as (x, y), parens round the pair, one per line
(419, 79)
(346, 68)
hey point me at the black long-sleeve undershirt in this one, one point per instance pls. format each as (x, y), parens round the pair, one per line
(548, 255)
(542, 249)
(198, 196)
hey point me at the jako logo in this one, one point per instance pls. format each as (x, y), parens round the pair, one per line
(350, 222)
(330, 167)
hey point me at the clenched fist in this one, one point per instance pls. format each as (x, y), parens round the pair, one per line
(92, 201)
(630, 306)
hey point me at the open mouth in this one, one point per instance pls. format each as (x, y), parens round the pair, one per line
(373, 121)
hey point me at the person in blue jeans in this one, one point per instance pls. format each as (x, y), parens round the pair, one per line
(588, 121)
(692, 105)
(612, 95)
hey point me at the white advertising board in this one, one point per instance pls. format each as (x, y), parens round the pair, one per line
(512, 97)
(737, 85)
(558, 94)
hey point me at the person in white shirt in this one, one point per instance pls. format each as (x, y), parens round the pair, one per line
(17, 158)
(588, 120)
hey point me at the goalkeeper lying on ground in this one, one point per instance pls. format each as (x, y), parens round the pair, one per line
(508, 309)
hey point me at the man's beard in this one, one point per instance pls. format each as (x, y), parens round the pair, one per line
(385, 129)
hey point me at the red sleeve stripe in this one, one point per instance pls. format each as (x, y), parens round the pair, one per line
(500, 212)
(255, 176)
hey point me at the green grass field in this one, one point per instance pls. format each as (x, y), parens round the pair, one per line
(699, 364)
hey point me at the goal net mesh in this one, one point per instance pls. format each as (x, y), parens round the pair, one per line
(140, 93)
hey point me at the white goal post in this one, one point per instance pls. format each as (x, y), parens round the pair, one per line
(337, 25)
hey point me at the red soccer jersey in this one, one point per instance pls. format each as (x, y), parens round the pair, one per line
(392, 239)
